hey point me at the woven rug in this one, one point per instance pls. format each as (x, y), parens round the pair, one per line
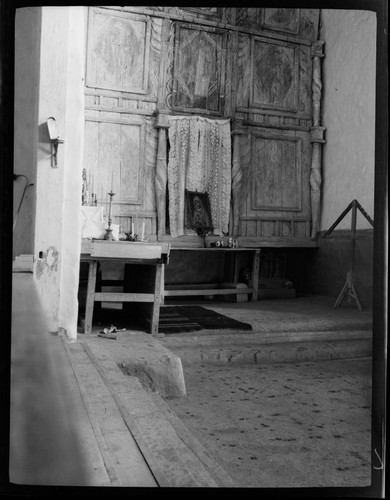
(176, 319)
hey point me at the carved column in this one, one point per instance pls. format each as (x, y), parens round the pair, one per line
(161, 172)
(317, 138)
(236, 180)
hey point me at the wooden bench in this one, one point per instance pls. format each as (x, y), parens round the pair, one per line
(137, 253)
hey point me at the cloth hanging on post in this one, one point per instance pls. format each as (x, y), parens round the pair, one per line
(199, 160)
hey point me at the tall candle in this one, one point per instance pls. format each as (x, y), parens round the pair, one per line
(132, 228)
(143, 231)
(112, 181)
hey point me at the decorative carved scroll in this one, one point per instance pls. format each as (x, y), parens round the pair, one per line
(237, 176)
(316, 139)
(161, 173)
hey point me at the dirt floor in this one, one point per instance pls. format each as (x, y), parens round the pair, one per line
(287, 425)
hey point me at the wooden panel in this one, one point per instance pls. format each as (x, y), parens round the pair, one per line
(248, 17)
(286, 20)
(275, 75)
(118, 51)
(204, 12)
(131, 145)
(91, 160)
(276, 173)
(199, 69)
(108, 159)
(114, 155)
(276, 191)
(309, 24)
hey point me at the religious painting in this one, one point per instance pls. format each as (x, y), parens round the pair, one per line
(118, 52)
(199, 69)
(198, 211)
(275, 75)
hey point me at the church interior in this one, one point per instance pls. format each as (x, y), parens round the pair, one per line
(222, 158)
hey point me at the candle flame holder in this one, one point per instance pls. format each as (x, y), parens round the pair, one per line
(108, 236)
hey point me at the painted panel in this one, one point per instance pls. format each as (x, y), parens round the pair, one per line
(248, 17)
(276, 173)
(199, 69)
(286, 20)
(113, 157)
(130, 156)
(118, 51)
(275, 75)
(309, 24)
(209, 12)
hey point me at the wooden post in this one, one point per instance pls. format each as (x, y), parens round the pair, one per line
(317, 133)
(161, 173)
(236, 181)
(157, 300)
(90, 296)
(255, 273)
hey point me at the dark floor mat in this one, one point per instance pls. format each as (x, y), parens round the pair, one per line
(175, 319)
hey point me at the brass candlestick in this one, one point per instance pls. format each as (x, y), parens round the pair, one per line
(108, 236)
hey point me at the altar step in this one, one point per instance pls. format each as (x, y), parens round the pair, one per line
(275, 347)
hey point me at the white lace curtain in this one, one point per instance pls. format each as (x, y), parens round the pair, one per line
(199, 160)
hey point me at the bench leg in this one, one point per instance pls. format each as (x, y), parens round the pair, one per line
(255, 273)
(162, 283)
(90, 296)
(157, 300)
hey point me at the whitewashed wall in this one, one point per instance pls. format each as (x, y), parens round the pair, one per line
(58, 190)
(349, 70)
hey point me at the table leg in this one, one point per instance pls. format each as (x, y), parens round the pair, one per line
(236, 267)
(255, 273)
(90, 296)
(157, 300)
(162, 283)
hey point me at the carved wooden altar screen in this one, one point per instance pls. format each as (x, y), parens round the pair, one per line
(259, 67)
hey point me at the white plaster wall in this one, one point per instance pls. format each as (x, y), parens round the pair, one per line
(49, 185)
(57, 234)
(73, 156)
(349, 70)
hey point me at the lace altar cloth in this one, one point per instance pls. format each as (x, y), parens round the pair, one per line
(199, 160)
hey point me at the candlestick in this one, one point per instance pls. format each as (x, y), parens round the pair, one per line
(108, 235)
(112, 180)
(132, 228)
(143, 231)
